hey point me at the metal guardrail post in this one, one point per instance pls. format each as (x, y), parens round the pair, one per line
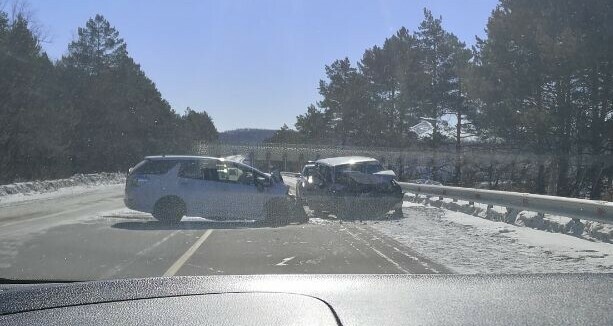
(511, 215)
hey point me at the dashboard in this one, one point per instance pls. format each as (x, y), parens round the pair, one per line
(316, 300)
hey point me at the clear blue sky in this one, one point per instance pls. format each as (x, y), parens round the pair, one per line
(250, 63)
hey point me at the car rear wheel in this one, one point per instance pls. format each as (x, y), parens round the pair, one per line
(169, 210)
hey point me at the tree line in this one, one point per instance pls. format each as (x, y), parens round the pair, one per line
(92, 110)
(541, 81)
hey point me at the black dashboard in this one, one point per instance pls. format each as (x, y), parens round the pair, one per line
(316, 300)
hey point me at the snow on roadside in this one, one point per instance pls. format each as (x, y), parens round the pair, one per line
(552, 223)
(470, 245)
(78, 183)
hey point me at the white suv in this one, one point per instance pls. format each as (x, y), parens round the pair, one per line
(170, 187)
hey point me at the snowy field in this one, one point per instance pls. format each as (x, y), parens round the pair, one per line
(471, 245)
(47, 189)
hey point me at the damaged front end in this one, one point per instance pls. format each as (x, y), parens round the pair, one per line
(356, 193)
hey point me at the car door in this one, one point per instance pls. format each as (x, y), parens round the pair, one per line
(243, 198)
(199, 186)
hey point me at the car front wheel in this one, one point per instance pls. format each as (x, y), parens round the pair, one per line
(277, 211)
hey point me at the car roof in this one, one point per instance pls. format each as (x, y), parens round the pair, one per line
(335, 161)
(179, 157)
(196, 157)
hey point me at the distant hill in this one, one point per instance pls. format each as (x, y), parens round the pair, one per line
(245, 136)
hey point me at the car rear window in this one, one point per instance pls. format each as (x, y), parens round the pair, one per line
(156, 167)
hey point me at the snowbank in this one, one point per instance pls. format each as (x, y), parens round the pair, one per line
(77, 180)
(558, 224)
(470, 245)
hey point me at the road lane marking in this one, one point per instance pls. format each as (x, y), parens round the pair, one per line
(419, 261)
(382, 255)
(113, 271)
(181, 261)
(284, 261)
(390, 260)
(415, 258)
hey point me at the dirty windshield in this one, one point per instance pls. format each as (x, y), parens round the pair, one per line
(162, 138)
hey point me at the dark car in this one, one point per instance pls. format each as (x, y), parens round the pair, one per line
(350, 186)
(305, 180)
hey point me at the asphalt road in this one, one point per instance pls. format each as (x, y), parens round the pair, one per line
(91, 235)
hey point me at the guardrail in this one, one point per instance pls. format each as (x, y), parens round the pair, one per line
(593, 210)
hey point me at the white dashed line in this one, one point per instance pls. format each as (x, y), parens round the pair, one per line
(181, 261)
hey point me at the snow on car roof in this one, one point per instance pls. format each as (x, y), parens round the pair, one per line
(334, 161)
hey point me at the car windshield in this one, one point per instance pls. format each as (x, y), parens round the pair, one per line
(308, 170)
(162, 138)
(363, 167)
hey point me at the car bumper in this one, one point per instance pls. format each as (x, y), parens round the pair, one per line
(137, 205)
(383, 203)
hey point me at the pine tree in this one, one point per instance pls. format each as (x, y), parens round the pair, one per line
(443, 59)
(121, 114)
(544, 78)
(345, 98)
(29, 115)
(314, 126)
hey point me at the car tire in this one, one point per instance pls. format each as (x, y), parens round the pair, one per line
(299, 215)
(277, 211)
(169, 210)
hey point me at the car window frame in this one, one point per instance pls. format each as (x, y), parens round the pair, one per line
(244, 169)
(200, 163)
(138, 169)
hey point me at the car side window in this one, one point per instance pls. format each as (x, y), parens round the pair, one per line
(233, 173)
(189, 170)
(155, 167)
(199, 170)
(324, 173)
(328, 174)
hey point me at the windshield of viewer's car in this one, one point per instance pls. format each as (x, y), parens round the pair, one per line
(161, 138)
